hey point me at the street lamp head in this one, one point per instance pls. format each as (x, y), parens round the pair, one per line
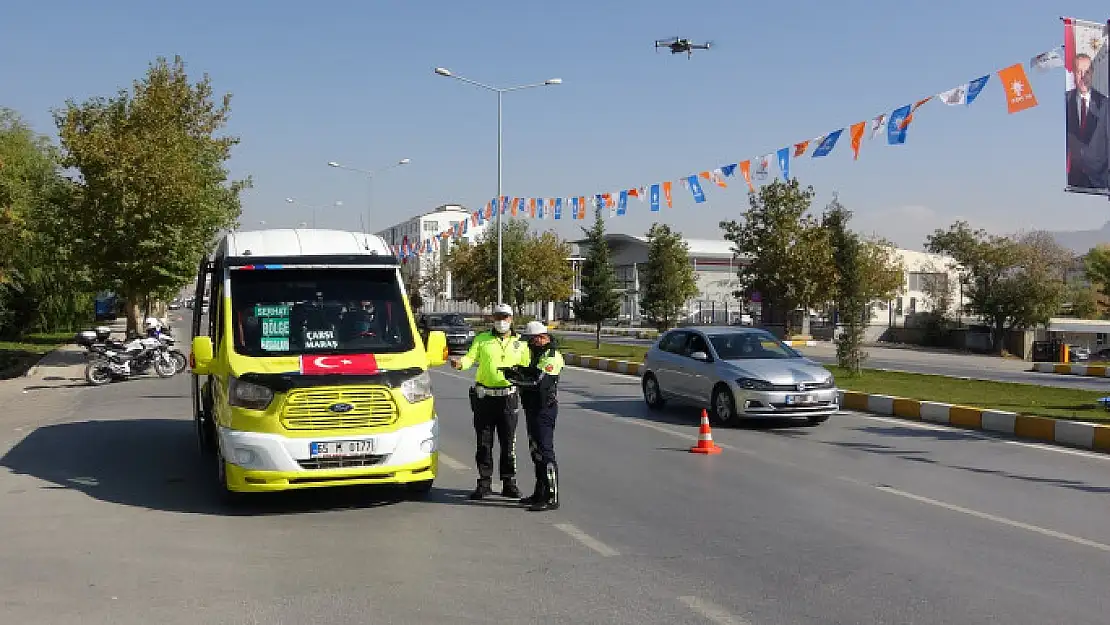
(333, 164)
(404, 161)
(553, 81)
(443, 71)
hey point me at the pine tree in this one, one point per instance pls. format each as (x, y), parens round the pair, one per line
(599, 300)
(669, 277)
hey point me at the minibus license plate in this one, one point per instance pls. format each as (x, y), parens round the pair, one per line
(341, 448)
(800, 400)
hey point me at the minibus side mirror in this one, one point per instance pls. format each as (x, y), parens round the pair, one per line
(201, 357)
(436, 348)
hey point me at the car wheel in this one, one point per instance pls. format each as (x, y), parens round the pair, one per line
(723, 406)
(653, 395)
(812, 421)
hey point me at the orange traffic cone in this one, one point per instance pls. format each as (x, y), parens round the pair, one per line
(705, 438)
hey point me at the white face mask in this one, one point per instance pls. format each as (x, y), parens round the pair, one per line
(501, 325)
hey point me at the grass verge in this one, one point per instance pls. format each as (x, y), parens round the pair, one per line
(1046, 401)
(16, 357)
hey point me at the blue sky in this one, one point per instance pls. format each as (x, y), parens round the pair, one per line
(352, 82)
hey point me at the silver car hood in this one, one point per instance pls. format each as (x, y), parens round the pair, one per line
(776, 370)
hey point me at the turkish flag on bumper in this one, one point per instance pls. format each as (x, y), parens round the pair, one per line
(351, 364)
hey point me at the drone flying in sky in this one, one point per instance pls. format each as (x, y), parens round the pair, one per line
(678, 46)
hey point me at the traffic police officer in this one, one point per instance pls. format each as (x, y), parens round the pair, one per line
(541, 407)
(494, 400)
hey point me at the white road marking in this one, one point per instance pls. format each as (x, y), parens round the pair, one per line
(451, 462)
(584, 538)
(973, 433)
(623, 376)
(711, 611)
(983, 515)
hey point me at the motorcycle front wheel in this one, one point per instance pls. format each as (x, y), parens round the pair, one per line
(98, 373)
(179, 360)
(165, 366)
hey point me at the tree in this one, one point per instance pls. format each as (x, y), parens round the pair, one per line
(785, 254)
(669, 280)
(866, 271)
(154, 190)
(1096, 263)
(546, 276)
(1012, 282)
(599, 300)
(42, 286)
(1082, 301)
(534, 267)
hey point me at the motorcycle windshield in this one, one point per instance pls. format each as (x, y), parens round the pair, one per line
(294, 311)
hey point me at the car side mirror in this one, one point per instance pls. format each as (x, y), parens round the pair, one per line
(702, 356)
(201, 355)
(436, 348)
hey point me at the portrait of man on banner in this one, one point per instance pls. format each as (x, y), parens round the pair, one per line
(1087, 110)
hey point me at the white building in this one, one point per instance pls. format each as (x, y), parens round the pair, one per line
(426, 226)
(925, 274)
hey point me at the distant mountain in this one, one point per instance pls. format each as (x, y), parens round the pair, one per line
(1080, 241)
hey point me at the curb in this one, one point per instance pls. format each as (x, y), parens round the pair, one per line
(801, 343)
(1075, 434)
(1091, 371)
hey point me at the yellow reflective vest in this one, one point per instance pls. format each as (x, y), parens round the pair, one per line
(491, 352)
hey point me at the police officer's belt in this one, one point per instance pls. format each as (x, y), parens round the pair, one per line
(485, 391)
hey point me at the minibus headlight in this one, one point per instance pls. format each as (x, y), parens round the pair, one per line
(248, 395)
(418, 388)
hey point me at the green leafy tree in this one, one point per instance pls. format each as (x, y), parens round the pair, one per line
(154, 190)
(785, 253)
(43, 287)
(865, 271)
(1097, 266)
(1012, 282)
(599, 300)
(1082, 301)
(534, 267)
(669, 279)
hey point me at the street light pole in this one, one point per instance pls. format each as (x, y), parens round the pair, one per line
(312, 207)
(442, 71)
(370, 187)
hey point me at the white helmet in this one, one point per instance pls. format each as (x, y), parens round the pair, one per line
(503, 309)
(151, 323)
(534, 328)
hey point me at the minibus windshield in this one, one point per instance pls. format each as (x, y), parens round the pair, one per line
(280, 312)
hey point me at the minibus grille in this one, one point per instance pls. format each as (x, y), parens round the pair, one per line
(312, 408)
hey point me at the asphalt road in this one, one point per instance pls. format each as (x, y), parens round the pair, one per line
(110, 517)
(937, 363)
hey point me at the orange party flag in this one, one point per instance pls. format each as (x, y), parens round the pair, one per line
(800, 148)
(1019, 93)
(667, 193)
(857, 131)
(746, 170)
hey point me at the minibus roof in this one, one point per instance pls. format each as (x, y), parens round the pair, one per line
(290, 242)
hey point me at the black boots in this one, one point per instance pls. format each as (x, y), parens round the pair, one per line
(509, 489)
(548, 498)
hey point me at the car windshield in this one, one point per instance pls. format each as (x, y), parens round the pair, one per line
(312, 311)
(750, 346)
(447, 320)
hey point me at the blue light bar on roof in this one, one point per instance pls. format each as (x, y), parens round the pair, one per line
(260, 267)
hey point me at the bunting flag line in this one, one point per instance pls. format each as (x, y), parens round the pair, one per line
(893, 125)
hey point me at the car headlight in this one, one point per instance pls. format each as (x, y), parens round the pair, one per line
(754, 384)
(470, 334)
(249, 395)
(418, 388)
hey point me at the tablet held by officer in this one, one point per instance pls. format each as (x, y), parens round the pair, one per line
(494, 400)
(538, 381)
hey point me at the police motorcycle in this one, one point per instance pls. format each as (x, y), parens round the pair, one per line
(111, 359)
(154, 328)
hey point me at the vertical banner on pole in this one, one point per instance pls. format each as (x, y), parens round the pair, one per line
(1087, 111)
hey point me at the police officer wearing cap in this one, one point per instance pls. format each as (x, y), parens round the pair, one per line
(539, 394)
(494, 400)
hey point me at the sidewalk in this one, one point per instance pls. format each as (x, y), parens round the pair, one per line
(63, 367)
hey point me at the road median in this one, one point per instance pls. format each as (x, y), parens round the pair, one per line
(1057, 429)
(1090, 371)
